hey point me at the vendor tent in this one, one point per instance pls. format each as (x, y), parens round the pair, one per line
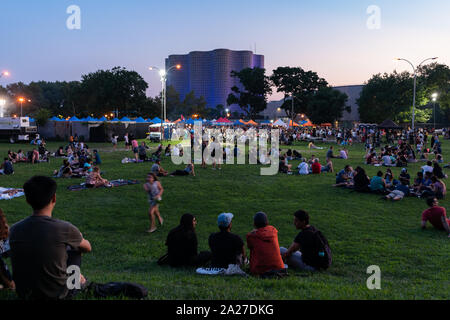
(389, 124)
(279, 123)
(251, 123)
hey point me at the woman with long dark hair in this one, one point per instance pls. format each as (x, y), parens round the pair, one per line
(5, 276)
(182, 244)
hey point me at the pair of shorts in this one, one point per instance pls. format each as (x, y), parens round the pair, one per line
(135, 150)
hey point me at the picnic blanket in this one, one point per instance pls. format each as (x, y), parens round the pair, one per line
(10, 193)
(115, 183)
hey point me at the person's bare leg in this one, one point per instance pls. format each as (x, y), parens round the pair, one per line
(158, 214)
(152, 220)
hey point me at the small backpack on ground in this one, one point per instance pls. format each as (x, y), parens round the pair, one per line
(323, 250)
(117, 289)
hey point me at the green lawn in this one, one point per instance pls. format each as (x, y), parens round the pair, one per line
(362, 229)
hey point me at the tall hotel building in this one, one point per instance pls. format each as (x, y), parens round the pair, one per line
(207, 73)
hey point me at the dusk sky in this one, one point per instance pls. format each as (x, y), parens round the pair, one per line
(329, 37)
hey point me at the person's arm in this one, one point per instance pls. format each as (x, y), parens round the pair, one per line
(193, 171)
(146, 187)
(161, 190)
(445, 224)
(85, 246)
(293, 248)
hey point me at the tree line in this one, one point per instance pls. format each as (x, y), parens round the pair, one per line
(384, 96)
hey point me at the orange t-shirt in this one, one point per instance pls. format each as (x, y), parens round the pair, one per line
(265, 253)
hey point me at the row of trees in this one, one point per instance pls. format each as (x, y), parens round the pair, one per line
(390, 96)
(383, 96)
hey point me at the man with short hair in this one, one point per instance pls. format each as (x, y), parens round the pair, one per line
(330, 153)
(6, 168)
(428, 167)
(227, 248)
(158, 170)
(436, 215)
(306, 252)
(265, 254)
(42, 248)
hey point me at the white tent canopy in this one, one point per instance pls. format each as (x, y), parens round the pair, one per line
(279, 122)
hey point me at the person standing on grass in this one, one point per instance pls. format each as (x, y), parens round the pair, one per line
(42, 248)
(135, 146)
(436, 215)
(127, 141)
(154, 190)
(114, 141)
(310, 250)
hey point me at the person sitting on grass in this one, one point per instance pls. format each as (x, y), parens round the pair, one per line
(329, 167)
(158, 170)
(6, 168)
(377, 183)
(428, 167)
(42, 248)
(330, 153)
(189, 170)
(60, 152)
(12, 156)
(65, 171)
(21, 156)
(316, 167)
(168, 151)
(296, 155)
(310, 250)
(154, 190)
(135, 146)
(343, 154)
(226, 248)
(6, 280)
(142, 150)
(404, 175)
(182, 245)
(344, 177)
(437, 189)
(284, 167)
(35, 156)
(436, 215)
(265, 254)
(98, 160)
(95, 180)
(437, 171)
(400, 191)
(361, 181)
(303, 168)
(389, 179)
(88, 167)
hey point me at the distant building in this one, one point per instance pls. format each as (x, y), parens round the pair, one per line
(207, 73)
(353, 93)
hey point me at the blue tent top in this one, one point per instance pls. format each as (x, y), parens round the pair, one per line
(53, 119)
(303, 122)
(238, 123)
(32, 120)
(115, 119)
(265, 122)
(74, 118)
(125, 119)
(156, 120)
(140, 120)
(190, 121)
(103, 119)
(90, 119)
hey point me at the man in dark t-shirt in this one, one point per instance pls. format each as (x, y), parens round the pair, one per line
(227, 248)
(436, 215)
(43, 248)
(302, 254)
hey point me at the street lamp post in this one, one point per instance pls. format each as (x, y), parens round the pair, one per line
(434, 97)
(163, 74)
(415, 82)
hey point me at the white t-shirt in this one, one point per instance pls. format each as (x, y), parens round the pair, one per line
(343, 154)
(387, 160)
(303, 168)
(427, 168)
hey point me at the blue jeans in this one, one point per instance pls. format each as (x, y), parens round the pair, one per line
(296, 261)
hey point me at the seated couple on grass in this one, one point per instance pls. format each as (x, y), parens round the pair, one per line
(309, 251)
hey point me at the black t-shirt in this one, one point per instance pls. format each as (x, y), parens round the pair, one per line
(181, 247)
(307, 241)
(225, 247)
(39, 256)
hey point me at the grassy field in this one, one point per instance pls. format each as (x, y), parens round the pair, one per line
(362, 229)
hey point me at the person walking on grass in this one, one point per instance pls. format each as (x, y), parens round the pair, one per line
(154, 190)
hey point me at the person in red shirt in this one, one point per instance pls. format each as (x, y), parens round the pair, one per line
(436, 215)
(265, 253)
(316, 167)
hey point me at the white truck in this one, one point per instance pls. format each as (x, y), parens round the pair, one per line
(16, 129)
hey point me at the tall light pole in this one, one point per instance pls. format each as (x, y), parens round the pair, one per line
(434, 97)
(22, 100)
(4, 73)
(163, 74)
(2, 105)
(415, 82)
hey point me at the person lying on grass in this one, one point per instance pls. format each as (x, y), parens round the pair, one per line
(182, 245)
(226, 248)
(400, 191)
(40, 262)
(310, 250)
(436, 215)
(95, 180)
(154, 191)
(189, 170)
(265, 256)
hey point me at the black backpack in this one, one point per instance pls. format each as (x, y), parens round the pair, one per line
(117, 289)
(323, 251)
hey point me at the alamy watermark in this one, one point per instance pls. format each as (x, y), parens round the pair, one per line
(374, 281)
(233, 142)
(73, 22)
(374, 20)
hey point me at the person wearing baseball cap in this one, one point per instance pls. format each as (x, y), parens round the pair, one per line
(265, 256)
(226, 248)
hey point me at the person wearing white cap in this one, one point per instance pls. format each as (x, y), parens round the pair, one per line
(226, 248)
